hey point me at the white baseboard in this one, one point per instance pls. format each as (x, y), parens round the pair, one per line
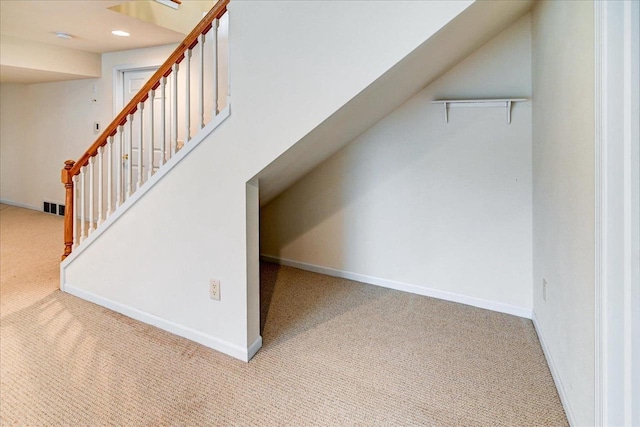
(233, 350)
(254, 347)
(406, 287)
(554, 371)
(21, 205)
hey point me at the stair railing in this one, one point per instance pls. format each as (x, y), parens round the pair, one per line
(143, 133)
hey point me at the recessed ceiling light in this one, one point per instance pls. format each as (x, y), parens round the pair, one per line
(63, 36)
(120, 33)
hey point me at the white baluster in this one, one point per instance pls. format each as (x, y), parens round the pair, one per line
(119, 166)
(130, 158)
(201, 78)
(109, 176)
(187, 97)
(91, 183)
(214, 28)
(174, 112)
(151, 132)
(100, 189)
(140, 145)
(163, 114)
(76, 231)
(82, 203)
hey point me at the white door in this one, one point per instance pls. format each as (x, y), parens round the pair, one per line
(133, 81)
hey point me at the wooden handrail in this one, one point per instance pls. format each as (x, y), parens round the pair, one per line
(165, 69)
(72, 168)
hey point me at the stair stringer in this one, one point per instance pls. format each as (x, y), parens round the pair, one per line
(154, 263)
(148, 185)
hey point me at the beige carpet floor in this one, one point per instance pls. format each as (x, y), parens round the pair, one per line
(336, 353)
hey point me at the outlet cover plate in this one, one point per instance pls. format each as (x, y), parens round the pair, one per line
(214, 289)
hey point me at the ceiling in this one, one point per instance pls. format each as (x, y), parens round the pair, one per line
(90, 22)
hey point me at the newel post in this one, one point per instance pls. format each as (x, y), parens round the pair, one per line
(67, 180)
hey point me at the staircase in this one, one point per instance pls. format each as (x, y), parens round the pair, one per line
(307, 78)
(141, 141)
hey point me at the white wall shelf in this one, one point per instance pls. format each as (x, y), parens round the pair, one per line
(506, 103)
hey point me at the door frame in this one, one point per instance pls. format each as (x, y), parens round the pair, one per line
(617, 185)
(118, 82)
(118, 97)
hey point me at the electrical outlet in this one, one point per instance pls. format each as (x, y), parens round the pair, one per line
(544, 289)
(214, 289)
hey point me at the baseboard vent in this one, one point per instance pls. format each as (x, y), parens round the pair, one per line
(53, 208)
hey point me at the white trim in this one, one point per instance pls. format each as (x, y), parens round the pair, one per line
(599, 94)
(632, 213)
(118, 82)
(617, 321)
(233, 350)
(254, 347)
(169, 3)
(554, 372)
(148, 185)
(20, 205)
(406, 287)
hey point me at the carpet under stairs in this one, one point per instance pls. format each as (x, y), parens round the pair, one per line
(336, 353)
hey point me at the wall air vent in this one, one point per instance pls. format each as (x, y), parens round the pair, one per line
(53, 208)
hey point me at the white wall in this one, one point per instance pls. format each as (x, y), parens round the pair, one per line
(12, 144)
(45, 124)
(439, 207)
(563, 197)
(53, 121)
(292, 64)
